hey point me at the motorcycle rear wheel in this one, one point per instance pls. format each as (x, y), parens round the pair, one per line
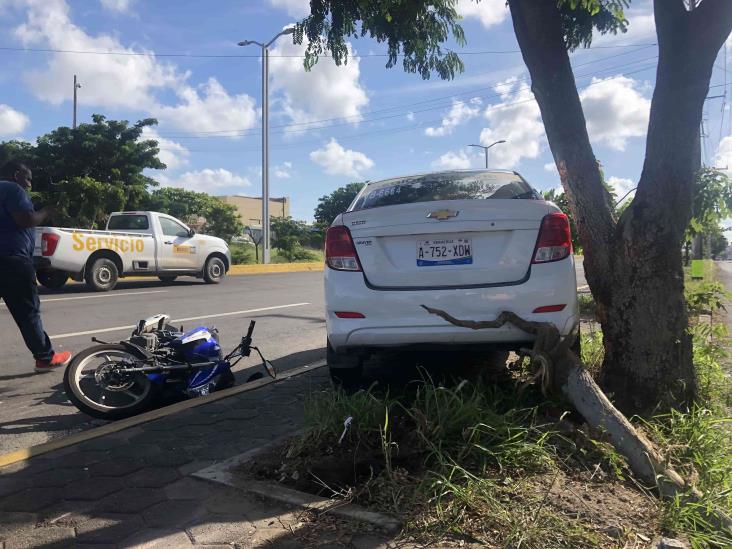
(97, 396)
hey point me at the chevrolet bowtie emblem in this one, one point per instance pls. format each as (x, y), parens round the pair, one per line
(442, 215)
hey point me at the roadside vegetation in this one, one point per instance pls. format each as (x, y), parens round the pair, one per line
(244, 254)
(491, 460)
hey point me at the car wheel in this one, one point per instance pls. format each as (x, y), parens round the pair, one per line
(214, 270)
(346, 370)
(53, 280)
(167, 279)
(102, 275)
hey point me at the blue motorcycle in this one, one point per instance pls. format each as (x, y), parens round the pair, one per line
(118, 380)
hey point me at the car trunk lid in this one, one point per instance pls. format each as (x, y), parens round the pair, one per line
(448, 243)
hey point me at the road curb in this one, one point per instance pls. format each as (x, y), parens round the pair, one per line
(221, 473)
(24, 454)
(276, 268)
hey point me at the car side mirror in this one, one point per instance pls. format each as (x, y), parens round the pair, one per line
(191, 232)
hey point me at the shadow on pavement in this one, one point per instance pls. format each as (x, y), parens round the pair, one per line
(153, 283)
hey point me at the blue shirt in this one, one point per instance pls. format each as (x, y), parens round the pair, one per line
(14, 240)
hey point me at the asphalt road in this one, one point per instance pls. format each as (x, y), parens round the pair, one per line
(290, 331)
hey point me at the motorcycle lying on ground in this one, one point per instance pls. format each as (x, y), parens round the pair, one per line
(119, 380)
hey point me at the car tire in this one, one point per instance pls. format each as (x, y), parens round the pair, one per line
(167, 279)
(102, 275)
(214, 270)
(52, 279)
(576, 347)
(346, 370)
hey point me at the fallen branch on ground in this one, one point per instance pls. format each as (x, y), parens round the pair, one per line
(563, 372)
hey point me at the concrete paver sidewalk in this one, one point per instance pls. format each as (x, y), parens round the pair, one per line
(133, 488)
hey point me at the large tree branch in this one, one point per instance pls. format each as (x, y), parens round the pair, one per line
(539, 32)
(688, 43)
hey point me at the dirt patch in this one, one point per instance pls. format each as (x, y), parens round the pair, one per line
(613, 511)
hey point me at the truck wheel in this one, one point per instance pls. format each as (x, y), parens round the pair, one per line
(214, 270)
(346, 371)
(102, 275)
(53, 280)
(167, 279)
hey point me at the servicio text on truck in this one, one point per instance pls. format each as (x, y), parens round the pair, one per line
(133, 244)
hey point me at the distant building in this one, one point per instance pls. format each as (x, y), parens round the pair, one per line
(250, 208)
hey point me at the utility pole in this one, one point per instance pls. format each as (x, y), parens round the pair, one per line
(265, 137)
(485, 149)
(76, 87)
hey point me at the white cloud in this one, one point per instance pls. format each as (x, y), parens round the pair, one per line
(172, 154)
(488, 12)
(410, 116)
(283, 171)
(615, 110)
(12, 122)
(515, 119)
(118, 6)
(641, 27)
(211, 181)
(294, 8)
(622, 185)
(209, 108)
(550, 167)
(126, 81)
(325, 92)
(459, 113)
(335, 160)
(107, 80)
(460, 160)
(723, 158)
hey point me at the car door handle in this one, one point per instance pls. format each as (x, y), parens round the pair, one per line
(167, 242)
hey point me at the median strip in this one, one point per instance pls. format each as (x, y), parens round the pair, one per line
(188, 319)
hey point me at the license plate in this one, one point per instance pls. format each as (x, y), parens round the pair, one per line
(445, 251)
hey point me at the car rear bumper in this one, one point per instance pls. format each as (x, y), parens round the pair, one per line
(396, 318)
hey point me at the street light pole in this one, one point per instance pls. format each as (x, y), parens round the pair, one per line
(485, 149)
(265, 155)
(76, 87)
(265, 138)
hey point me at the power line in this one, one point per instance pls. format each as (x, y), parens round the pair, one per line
(243, 55)
(317, 124)
(388, 130)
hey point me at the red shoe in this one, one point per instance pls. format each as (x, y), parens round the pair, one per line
(59, 360)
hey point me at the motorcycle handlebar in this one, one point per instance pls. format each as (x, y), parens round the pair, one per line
(251, 330)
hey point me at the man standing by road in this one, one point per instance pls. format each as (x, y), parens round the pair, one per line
(17, 276)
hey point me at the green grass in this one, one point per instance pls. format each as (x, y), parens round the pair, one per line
(453, 460)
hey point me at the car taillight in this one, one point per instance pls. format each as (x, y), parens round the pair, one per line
(340, 253)
(555, 241)
(48, 244)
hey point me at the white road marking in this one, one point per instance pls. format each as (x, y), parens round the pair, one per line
(114, 294)
(219, 315)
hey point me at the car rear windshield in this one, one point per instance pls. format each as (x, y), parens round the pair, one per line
(444, 186)
(128, 223)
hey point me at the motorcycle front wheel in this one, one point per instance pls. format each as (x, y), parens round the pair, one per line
(96, 383)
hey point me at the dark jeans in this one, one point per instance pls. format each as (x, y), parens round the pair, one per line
(20, 293)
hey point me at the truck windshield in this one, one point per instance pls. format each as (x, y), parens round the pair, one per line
(462, 185)
(128, 223)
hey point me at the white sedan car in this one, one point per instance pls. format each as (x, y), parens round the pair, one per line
(473, 243)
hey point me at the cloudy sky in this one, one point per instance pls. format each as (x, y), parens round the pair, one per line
(177, 61)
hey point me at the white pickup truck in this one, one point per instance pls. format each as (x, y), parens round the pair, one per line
(134, 244)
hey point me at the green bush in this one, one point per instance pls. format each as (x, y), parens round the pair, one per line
(242, 254)
(705, 297)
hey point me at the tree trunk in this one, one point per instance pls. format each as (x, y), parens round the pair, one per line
(633, 266)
